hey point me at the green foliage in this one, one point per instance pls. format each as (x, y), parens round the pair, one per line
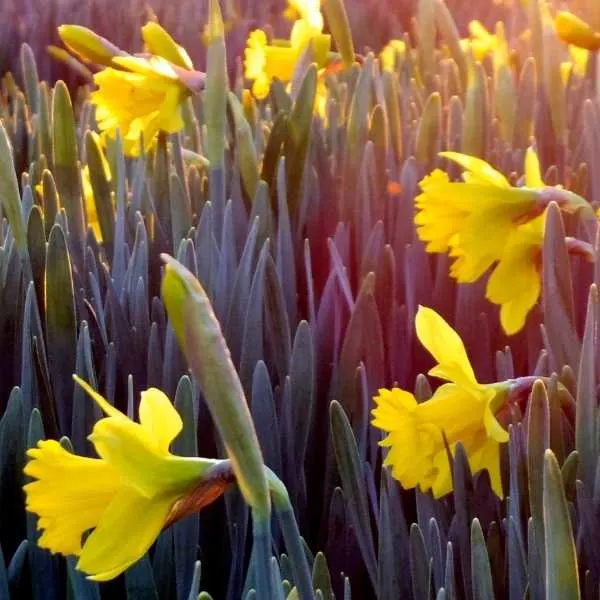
(300, 231)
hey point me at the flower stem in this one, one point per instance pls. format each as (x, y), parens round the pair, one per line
(291, 536)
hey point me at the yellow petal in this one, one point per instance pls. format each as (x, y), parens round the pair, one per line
(134, 452)
(69, 493)
(108, 408)
(159, 42)
(573, 30)
(533, 174)
(478, 168)
(159, 417)
(127, 530)
(446, 347)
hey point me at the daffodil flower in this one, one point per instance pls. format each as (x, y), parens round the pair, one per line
(388, 57)
(138, 95)
(473, 219)
(264, 62)
(125, 496)
(462, 410)
(140, 98)
(481, 43)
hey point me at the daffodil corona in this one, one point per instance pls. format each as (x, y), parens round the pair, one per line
(125, 496)
(462, 410)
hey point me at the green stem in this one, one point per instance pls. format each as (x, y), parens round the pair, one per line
(261, 531)
(291, 536)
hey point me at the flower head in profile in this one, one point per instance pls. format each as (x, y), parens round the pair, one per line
(462, 410)
(481, 42)
(390, 54)
(138, 95)
(264, 62)
(473, 219)
(125, 496)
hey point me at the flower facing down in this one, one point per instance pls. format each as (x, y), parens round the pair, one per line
(473, 219)
(462, 410)
(125, 496)
(575, 31)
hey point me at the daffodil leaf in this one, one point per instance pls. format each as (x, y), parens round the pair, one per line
(390, 85)
(285, 261)
(569, 474)
(351, 473)
(185, 531)
(278, 343)
(393, 541)
(241, 290)
(65, 161)
(420, 566)
(265, 418)
(337, 20)
(516, 560)
(357, 124)
(246, 153)
(525, 106)
(557, 297)
(481, 573)
(447, 28)
(17, 566)
(474, 133)
(4, 592)
(585, 416)
(139, 581)
(427, 143)
(296, 143)
(227, 266)
(36, 245)
(61, 324)
(101, 192)
(9, 190)
(562, 577)
(30, 78)
(253, 336)
(272, 151)
(51, 202)
(426, 28)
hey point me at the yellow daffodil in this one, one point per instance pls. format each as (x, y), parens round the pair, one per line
(125, 496)
(481, 43)
(462, 410)
(143, 96)
(575, 31)
(307, 10)
(473, 219)
(137, 94)
(388, 57)
(515, 283)
(263, 61)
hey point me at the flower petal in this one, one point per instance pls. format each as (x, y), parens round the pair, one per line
(108, 408)
(446, 347)
(69, 493)
(133, 451)
(478, 169)
(533, 174)
(159, 417)
(127, 530)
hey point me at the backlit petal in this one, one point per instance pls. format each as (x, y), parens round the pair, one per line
(128, 528)
(159, 417)
(445, 345)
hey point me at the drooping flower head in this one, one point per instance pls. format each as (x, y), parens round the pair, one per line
(138, 95)
(462, 410)
(576, 31)
(473, 219)
(125, 496)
